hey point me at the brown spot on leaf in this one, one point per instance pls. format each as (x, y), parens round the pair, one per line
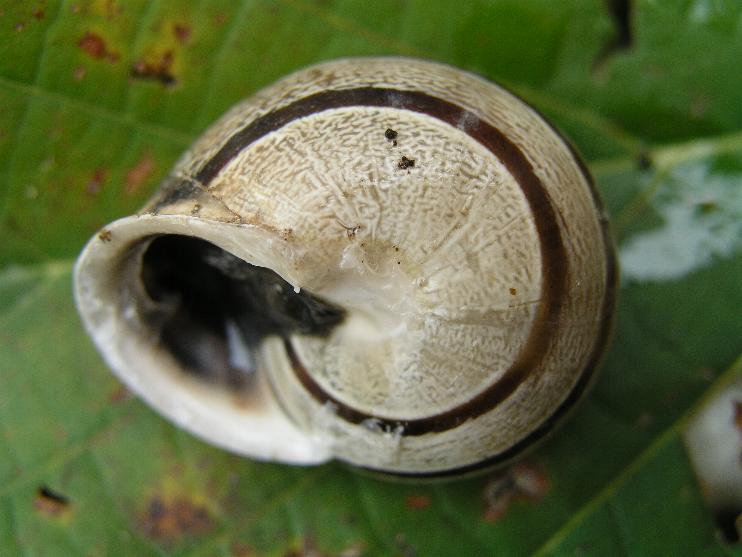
(417, 502)
(96, 181)
(105, 235)
(38, 13)
(219, 19)
(522, 482)
(182, 32)
(513, 291)
(159, 69)
(113, 9)
(95, 46)
(120, 394)
(139, 173)
(175, 518)
(239, 549)
(50, 503)
(307, 549)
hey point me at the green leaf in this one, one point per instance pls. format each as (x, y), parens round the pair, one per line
(99, 97)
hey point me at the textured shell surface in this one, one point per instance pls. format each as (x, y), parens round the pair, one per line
(451, 274)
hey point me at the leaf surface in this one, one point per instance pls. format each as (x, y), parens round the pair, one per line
(98, 99)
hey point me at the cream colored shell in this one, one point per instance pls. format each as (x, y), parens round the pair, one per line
(468, 250)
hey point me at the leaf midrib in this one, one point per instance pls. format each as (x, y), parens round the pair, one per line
(632, 469)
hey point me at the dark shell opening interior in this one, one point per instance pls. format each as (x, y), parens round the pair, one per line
(212, 309)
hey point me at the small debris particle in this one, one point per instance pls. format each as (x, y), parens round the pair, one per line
(396, 248)
(521, 482)
(38, 13)
(167, 520)
(405, 163)
(19, 27)
(287, 234)
(79, 73)
(182, 32)
(513, 291)
(157, 70)
(96, 182)
(391, 135)
(350, 231)
(94, 46)
(139, 173)
(105, 235)
(50, 502)
(196, 209)
(416, 502)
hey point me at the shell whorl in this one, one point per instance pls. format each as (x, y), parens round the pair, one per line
(460, 233)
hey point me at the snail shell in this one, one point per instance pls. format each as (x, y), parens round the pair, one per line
(387, 261)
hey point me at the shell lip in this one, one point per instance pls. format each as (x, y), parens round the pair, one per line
(250, 423)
